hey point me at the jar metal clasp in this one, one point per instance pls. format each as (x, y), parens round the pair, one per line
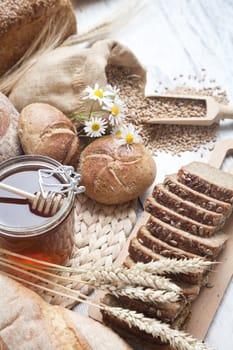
(72, 180)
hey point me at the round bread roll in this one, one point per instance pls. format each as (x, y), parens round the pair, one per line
(115, 174)
(9, 141)
(45, 130)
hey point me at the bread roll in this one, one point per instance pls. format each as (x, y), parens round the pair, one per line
(115, 174)
(22, 21)
(9, 141)
(28, 322)
(45, 130)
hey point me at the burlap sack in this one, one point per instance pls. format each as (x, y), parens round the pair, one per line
(60, 76)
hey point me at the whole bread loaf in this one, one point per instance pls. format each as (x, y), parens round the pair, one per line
(114, 173)
(28, 322)
(9, 141)
(22, 21)
(45, 130)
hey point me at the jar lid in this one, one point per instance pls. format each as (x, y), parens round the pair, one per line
(33, 173)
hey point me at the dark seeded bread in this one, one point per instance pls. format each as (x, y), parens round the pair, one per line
(172, 183)
(171, 217)
(189, 291)
(158, 246)
(123, 328)
(136, 335)
(140, 253)
(206, 247)
(187, 208)
(166, 312)
(209, 180)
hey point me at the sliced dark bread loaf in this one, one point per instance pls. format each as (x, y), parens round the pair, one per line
(131, 333)
(187, 208)
(209, 180)
(172, 183)
(160, 247)
(206, 247)
(134, 334)
(166, 312)
(171, 217)
(140, 253)
(189, 291)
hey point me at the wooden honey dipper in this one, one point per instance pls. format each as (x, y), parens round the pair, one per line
(45, 206)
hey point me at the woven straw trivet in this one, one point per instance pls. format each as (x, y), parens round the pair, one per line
(101, 232)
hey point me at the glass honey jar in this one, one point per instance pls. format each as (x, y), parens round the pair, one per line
(26, 232)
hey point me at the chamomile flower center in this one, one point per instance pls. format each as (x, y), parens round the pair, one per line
(118, 133)
(95, 126)
(99, 93)
(115, 110)
(129, 139)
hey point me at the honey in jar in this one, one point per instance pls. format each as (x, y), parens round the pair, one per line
(24, 231)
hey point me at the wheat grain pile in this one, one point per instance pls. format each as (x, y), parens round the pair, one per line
(169, 138)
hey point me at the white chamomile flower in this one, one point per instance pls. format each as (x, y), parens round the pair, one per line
(112, 91)
(96, 94)
(116, 109)
(129, 135)
(95, 127)
(117, 131)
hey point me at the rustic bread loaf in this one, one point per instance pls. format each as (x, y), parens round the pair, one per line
(177, 220)
(114, 173)
(45, 130)
(187, 208)
(172, 183)
(28, 322)
(22, 22)
(206, 247)
(9, 140)
(209, 180)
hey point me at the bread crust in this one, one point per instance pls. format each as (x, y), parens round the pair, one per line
(31, 323)
(43, 129)
(115, 174)
(22, 21)
(9, 141)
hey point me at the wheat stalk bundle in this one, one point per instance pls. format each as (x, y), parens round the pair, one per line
(41, 274)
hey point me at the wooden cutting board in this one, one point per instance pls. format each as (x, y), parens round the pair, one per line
(207, 303)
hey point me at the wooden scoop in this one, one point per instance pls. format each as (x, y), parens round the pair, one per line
(214, 111)
(45, 206)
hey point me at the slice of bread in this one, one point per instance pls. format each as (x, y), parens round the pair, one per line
(209, 180)
(171, 217)
(187, 208)
(166, 312)
(206, 247)
(134, 334)
(190, 291)
(140, 253)
(172, 183)
(160, 247)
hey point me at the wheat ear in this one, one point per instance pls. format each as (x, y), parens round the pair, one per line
(174, 266)
(178, 340)
(123, 276)
(147, 295)
(103, 277)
